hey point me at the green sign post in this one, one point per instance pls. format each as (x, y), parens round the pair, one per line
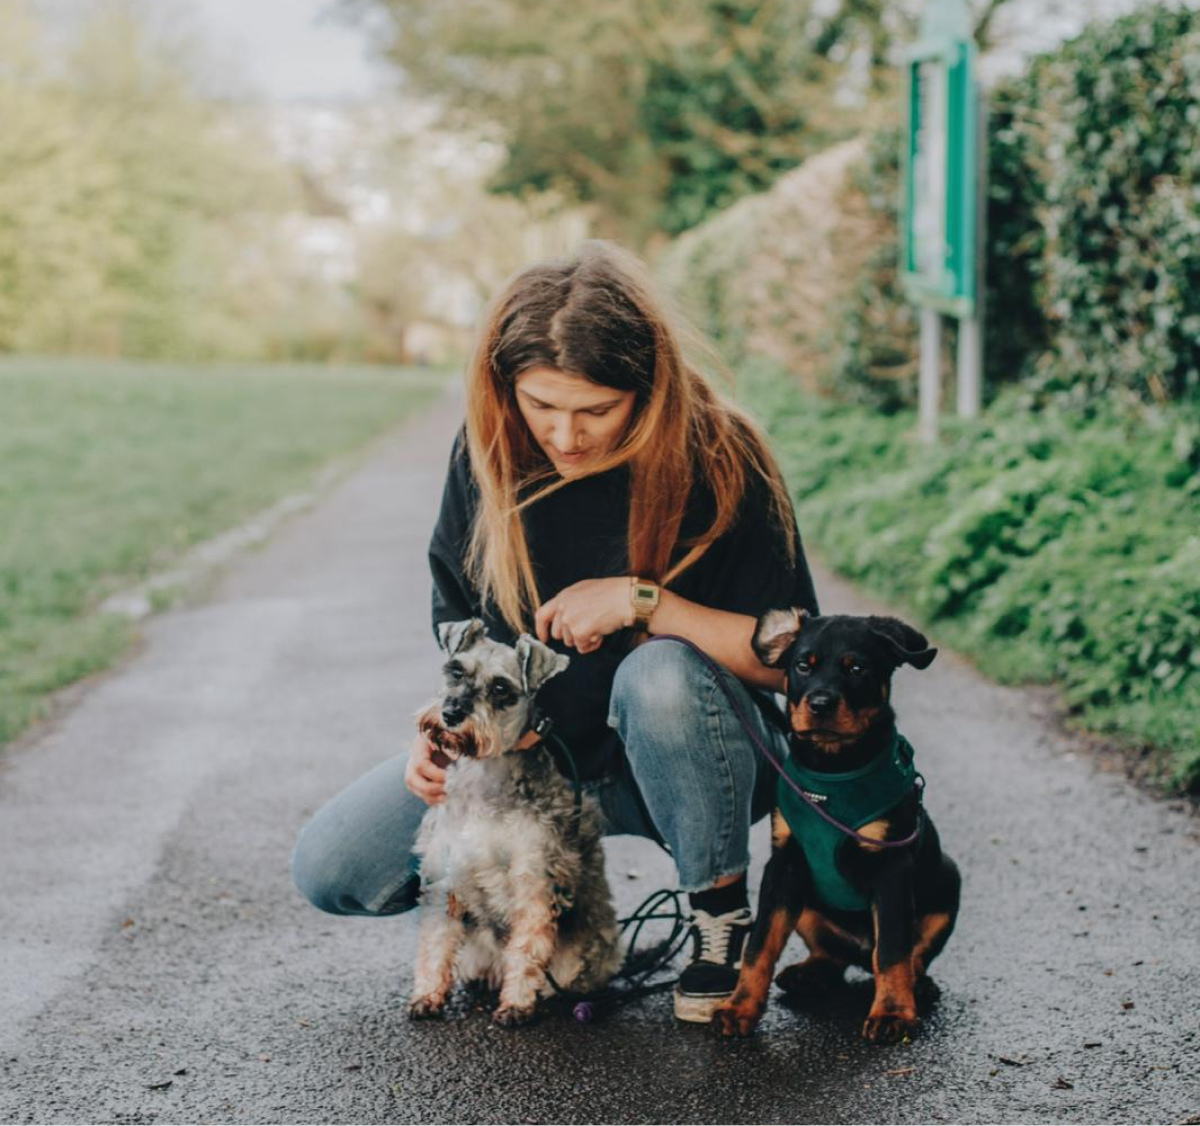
(939, 266)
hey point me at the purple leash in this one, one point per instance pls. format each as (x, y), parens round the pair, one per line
(740, 711)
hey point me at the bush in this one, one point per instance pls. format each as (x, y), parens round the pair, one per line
(1095, 173)
(1093, 255)
(1053, 547)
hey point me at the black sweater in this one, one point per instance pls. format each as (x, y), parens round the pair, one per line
(578, 533)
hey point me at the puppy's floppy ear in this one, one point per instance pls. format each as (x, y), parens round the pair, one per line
(907, 645)
(538, 663)
(775, 632)
(453, 637)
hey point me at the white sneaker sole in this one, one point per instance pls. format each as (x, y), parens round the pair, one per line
(697, 1010)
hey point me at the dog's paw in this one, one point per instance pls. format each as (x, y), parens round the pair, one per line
(889, 1028)
(735, 1020)
(510, 1016)
(422, 1008)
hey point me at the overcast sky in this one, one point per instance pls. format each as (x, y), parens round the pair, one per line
(281, 49)
(291, 48)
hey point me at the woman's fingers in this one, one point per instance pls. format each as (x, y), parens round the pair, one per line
(544, 618)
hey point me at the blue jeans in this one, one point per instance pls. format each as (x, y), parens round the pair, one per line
(693, 782)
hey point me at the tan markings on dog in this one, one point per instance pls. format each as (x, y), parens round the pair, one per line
(876, 831)
(739, 1015)
(433, 971)
(930, 929)
(781, 831)
(815, 929)
(894, 991)
(893, 1012)
(531, 941)
(831, 733)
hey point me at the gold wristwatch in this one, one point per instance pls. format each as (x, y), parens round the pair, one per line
(643, 594)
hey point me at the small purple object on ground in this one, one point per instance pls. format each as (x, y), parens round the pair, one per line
(584, 1012)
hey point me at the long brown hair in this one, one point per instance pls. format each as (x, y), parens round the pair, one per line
(596, 315)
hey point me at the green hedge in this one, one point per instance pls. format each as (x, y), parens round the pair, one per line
(1093, 256)
(1054, 547)
(1095, 172)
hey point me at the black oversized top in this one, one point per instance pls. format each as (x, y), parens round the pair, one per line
(579, 532)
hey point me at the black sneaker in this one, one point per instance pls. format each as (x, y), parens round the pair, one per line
(718, 941)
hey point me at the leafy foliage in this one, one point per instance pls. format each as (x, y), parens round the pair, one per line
(124, 197)
(1055, 546)
(659, 112)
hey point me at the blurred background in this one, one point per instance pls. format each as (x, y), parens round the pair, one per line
(241, 239)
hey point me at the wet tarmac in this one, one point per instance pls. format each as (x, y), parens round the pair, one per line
(156, 964)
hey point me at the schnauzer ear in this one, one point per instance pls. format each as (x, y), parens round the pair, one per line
(775, 632)
(455, 636)
(907, 645)
(538, 663)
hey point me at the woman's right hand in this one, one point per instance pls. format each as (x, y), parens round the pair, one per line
(422, 775)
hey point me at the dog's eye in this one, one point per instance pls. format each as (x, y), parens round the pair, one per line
(857, 669)
(501, 693)
(454, 672)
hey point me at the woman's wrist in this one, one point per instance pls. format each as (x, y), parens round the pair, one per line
(644, 596)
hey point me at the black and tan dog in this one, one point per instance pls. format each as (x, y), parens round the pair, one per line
(856, 898)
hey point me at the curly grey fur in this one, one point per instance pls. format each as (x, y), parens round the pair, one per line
(508, 835)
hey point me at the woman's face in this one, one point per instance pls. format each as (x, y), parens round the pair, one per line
(573, 419)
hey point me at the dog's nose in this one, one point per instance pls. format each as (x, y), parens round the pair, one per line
(822, 703)
(453, 714)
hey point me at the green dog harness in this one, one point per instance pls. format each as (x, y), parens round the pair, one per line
(855, 798)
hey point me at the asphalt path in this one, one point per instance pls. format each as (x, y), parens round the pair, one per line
(156, 964)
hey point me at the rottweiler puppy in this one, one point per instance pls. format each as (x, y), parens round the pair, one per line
(853, 890)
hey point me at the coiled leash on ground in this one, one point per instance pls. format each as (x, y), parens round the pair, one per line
(633, 979)
(639, 968)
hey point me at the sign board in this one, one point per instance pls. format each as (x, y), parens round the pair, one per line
(940, 166)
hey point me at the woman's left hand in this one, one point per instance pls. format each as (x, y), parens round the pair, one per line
(583, 614)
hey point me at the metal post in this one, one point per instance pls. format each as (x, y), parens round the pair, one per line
(970, 330)
(968, 367)
(930, 385)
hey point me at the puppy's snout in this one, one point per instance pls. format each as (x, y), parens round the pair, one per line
(453, 713)
(822, 702)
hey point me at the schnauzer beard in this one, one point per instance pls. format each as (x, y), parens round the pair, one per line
(470, 739)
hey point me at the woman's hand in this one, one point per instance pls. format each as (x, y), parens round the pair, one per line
(422, 775)
(583, 614)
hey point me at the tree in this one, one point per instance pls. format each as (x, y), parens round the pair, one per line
(657, 111)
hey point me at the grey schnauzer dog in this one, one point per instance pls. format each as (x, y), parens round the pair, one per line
(513, 888)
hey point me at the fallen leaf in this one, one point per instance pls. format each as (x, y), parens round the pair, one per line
(901, 1071)
(181, 1071)
(353, 1067)
(1061, 1084)
(1091, 1043)
(159, 1086)
(1127, 1005)
(264, 1056)
(1011, 1062)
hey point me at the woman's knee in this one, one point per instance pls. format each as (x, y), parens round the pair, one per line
(314, 873)
(660, 681)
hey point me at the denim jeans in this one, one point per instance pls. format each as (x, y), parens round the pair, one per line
(693, 782)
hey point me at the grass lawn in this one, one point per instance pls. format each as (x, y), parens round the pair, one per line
(112, 470)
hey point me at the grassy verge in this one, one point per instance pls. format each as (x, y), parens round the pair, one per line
(111, 471)
(1052, 548)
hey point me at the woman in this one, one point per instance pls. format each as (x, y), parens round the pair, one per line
(600, 491)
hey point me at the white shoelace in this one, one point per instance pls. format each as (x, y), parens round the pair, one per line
(715, 932)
